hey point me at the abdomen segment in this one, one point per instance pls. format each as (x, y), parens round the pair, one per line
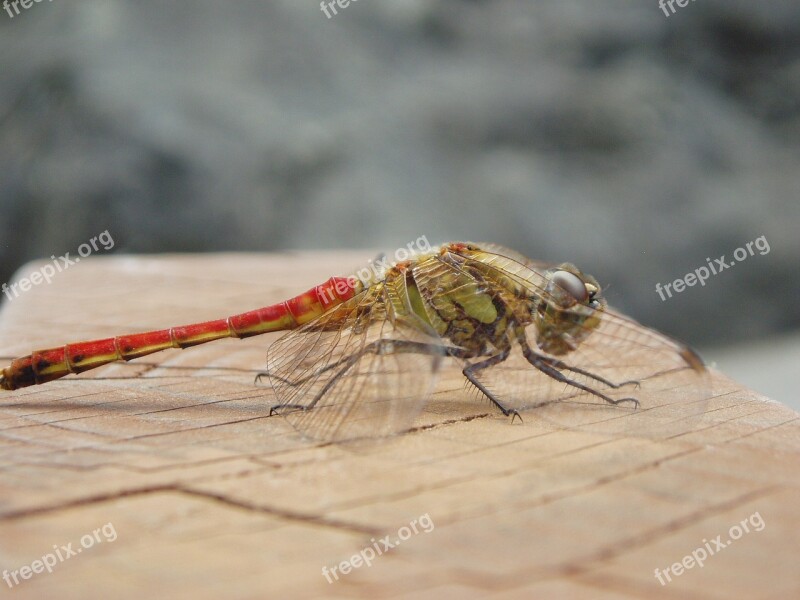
(45, 365)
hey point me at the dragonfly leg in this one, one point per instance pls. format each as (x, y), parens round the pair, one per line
(469, 373)
(543, 365)
(377, 347)
(348, 362)
(385, 346)
(562, 366)
(302, 380)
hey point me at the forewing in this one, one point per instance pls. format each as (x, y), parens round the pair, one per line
(353, 372)
(517, 256)
(455, 291)
(668, 380)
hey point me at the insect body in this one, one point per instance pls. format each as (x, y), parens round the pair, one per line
(362, 356)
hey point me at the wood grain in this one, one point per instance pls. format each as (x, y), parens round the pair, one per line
(210, 497)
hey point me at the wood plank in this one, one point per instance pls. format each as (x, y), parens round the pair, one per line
(208, 496)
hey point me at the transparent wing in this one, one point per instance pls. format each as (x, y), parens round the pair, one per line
(444, 286)
(514, 255)
(620, 359)
(353, 372)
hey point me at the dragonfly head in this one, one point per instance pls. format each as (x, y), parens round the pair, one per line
(569, 309)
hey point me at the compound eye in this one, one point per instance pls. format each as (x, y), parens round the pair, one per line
(572, 284)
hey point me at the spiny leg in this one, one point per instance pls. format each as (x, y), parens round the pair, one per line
(380, 347)
(348, 362)
(561, 365)
(302, 380)
(407, 345)
(469, 373)
(545, 367)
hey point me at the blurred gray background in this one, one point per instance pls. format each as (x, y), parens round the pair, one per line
(596, 131)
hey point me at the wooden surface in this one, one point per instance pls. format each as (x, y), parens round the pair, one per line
(209, 497)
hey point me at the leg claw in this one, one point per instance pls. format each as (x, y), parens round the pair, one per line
(633, 401)
(275, 410)
(632, 382)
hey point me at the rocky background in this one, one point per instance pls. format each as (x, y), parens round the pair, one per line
(597, 131)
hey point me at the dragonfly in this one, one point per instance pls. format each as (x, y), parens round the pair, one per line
(362, 355)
